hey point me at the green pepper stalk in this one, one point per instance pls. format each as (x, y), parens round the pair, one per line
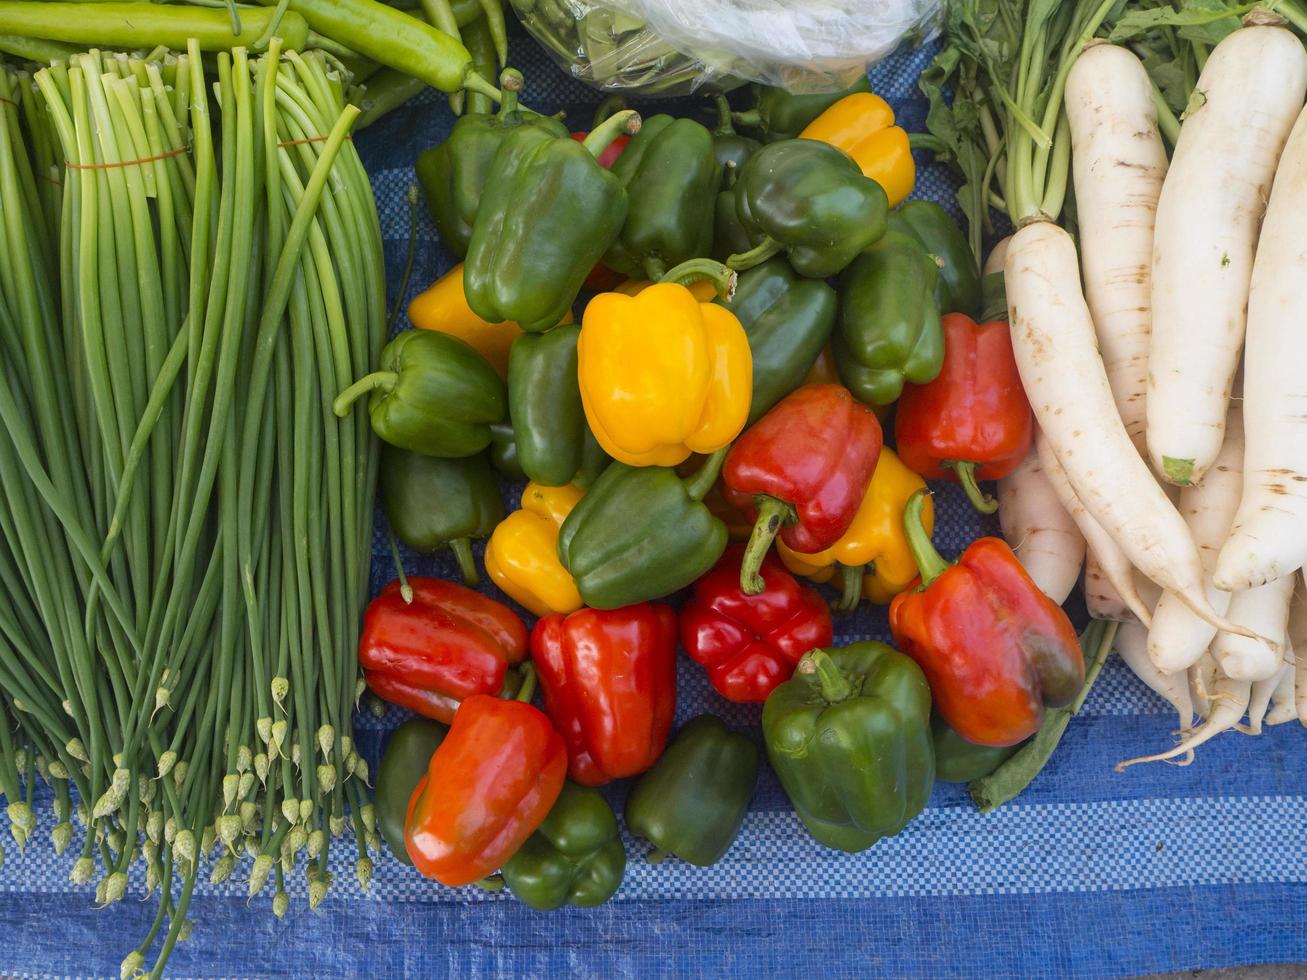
(690, 271)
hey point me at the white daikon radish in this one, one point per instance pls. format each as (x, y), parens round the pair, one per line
(1298, 637)
(1057, 355)
(1269, 539)
(997, 256)
(1259, 701)
(1178, 637)
(1132, 645)
(1118, 164)
(1039, 529)
(1115, 566)
(1202, 678)
(1248, 95)
(1265, 611)
(1228, 702)
(1283, 707)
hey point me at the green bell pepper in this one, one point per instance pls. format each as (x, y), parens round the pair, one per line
(889, 330)
(503, 452)
(549, 212)
(782, 116)
(960, 761)
(434, 503)
(574, 858)
(849, 738)
(671, 176)
(434, 394)
(810, 200)
(453, 173)
(692, 803)
(641, 533)
(957, 288)
(732, 149)
(403, 764)
(554, 442)
(728, 234)
(788, 320)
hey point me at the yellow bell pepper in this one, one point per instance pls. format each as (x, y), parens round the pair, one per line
(662, 374)
(522, 553)
(874, 550)
(443, 307)
(862, 125)
(702, 289)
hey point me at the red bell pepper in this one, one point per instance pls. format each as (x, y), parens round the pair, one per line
(492, 782)
(750, 644)
(601, 278)
(973, 422)
(994, 648)
(609, 681)
(446, 645)
(801, 470)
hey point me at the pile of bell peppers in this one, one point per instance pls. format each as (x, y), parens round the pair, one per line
(687, 340)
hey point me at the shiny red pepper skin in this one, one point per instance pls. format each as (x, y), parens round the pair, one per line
(602, 278)
(448, 644)
(609, 682)
(974, 412)
(750, 644)
(802, 470)
(493, 780)
(994, 648)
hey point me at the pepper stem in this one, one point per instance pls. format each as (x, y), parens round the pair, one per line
(929, 563)
(750, 118)
(654, 268)
(528, 689)
(724, 127)
(510, 83)
(376, 381)
(701, 270)
(656, 856)
(852, 591)
(467, 566)
(610, 105)
(772, 513)
(697, 486)
(757, 255)
(405, 590)
(626, 121)
(966, 472)
(473, 82)
(835, 686)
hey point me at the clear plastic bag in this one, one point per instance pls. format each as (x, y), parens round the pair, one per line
(674, 47)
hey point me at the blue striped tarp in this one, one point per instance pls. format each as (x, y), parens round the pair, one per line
(1089, 874)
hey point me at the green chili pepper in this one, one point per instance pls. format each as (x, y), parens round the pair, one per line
(781, 116)
(889, 330)
(547, 215)
(810, 200)
(434, 394)
(481, 46)
(403, 764)
(849, 738)
(554, 443)
(957, 289)
(641, 533)
(960, 761)
(434, 503)
(453, 174)
(693, 801)
(671, 176)
(788, 320)
(575, 857)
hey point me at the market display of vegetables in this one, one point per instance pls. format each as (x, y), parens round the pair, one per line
(683, 390)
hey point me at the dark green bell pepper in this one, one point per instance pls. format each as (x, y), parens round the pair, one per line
(692, 803)
(728, 234)
(782, 116)
(434, 394)
(960, 761)
(889, 330)
(731, 148)
(453, 173)
(554, 443)
(957, 289)
(788, 320)
(503, 451)
(433, 503)
(849, 738)
(574, 858)
(408, 752)
(811, 201)
(671, 176)
(549, 212)
(641, 533)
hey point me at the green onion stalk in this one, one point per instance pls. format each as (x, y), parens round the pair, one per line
(191, 264)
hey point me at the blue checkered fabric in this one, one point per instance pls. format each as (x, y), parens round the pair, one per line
(1088, 874)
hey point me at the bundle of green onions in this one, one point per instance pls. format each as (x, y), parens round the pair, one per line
(191, 270)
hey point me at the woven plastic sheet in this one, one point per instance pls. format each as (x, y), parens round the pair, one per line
(1089, 873)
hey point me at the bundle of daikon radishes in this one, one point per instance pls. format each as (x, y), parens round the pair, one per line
(1163, 345)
